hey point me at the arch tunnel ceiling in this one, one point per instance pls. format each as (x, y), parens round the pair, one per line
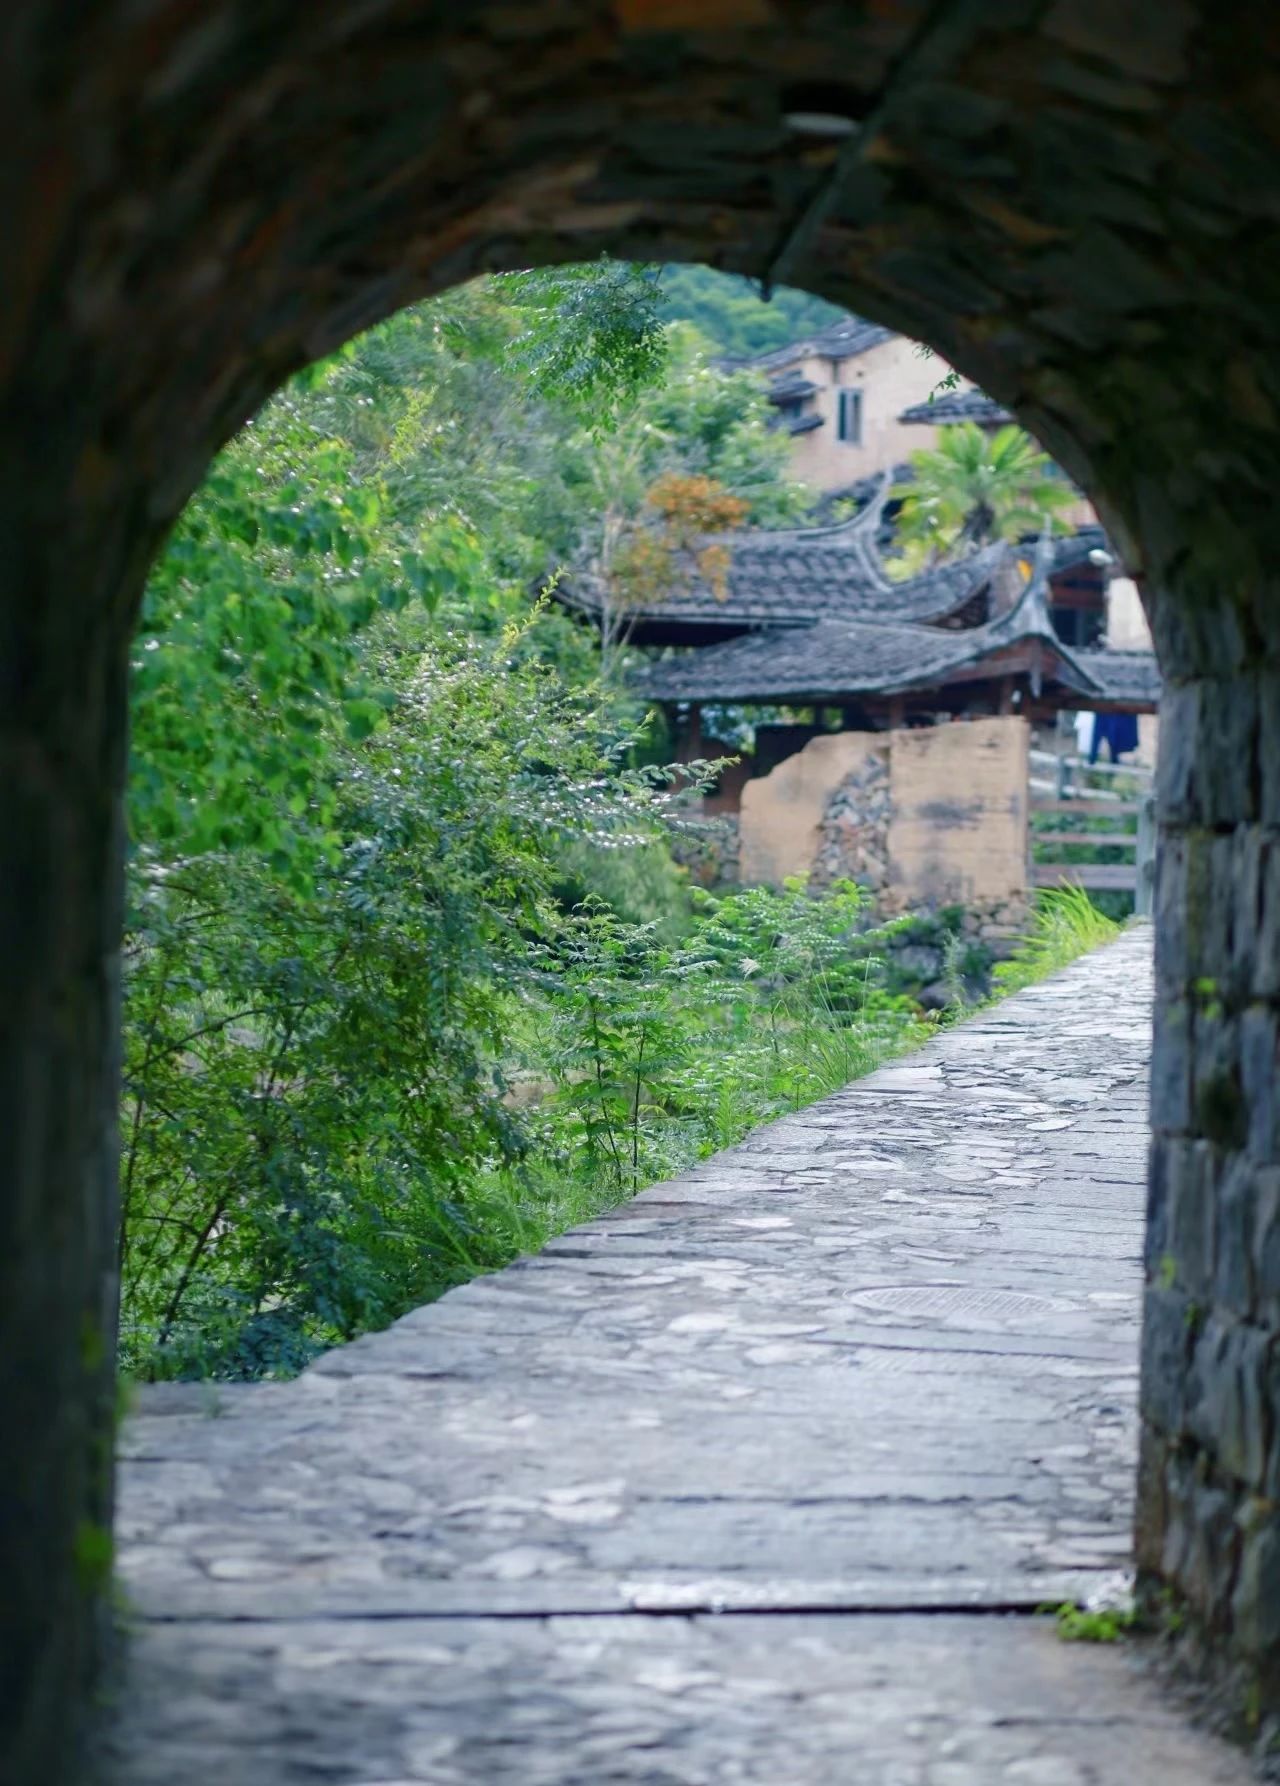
(1073, 200)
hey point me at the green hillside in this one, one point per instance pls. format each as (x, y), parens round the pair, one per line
(731, 313)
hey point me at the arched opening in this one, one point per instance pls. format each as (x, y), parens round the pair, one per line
(1071, 204)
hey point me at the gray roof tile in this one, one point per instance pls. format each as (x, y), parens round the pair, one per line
(1129, 676)
(791, 576)
(873, 654)
(844, 340)
(959, 406)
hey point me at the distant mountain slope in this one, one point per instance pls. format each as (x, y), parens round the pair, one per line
(730, 312)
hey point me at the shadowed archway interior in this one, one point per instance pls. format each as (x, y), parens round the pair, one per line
(1074, 201)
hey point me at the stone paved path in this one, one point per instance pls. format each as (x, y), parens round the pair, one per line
(757, 1481)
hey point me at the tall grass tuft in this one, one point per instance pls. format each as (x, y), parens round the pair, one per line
(1066, 925)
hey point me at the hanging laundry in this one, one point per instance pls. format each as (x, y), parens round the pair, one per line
(1118, 731)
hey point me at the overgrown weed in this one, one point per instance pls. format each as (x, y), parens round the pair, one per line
(1065, 925)
(1099, 1624)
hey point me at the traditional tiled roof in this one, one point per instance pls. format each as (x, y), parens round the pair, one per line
(799, 424)
(834, 658)
(1131, 678)
(844, 340)
(959, 406)
(791, 387)
(812, 663)
(793, 576)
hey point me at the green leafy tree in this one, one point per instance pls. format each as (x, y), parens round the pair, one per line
(591, 335)
(348, 816)
(692, 455)
(975, 487)
(315, 1063)
(463, 409)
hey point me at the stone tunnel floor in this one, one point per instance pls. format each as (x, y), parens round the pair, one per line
(758, 1480)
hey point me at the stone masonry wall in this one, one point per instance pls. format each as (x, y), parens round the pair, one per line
(1210, 1472)
(853, 832)
(783, 813)
(958, 815)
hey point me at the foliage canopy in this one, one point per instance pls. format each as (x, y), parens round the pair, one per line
(975, 487)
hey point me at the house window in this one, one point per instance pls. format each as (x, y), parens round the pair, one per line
(849, 417)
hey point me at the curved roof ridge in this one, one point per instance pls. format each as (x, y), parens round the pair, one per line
(844, 340)
(983, 561)
(1029, 617)
(972, 405)
(830, 533)
(857, 654)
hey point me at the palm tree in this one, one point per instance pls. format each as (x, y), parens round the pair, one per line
(974, 488)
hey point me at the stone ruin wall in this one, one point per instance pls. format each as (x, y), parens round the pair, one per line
(853, 832)
(923, 818)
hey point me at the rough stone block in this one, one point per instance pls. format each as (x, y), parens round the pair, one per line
(1175, 773)
(1271, 1420)
(1259, 1065)
(1190, 1224)
(1265, 1246)
(1227, 1398)
(1152, 1512)
(1225, 775)
(1255, 1605)
(1166, 1349)
(1179, 1509)
(1208, 1566)
(1209, 740)
(1269, 747)
(1171, 1068)
(1234, 1197)
(1207, 894)
(1262, 946)
(1220, 1110)
(1170, 928)
(1244, 898)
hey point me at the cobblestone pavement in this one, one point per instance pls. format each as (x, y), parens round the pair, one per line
(758, 1480)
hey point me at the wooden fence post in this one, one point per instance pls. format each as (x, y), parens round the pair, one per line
(1144, 889)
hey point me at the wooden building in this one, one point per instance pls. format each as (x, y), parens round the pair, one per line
(810, 619)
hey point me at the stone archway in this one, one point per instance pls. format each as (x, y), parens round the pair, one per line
(1073, 200)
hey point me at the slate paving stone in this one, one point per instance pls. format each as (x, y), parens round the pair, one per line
(729, 1486)
(889, 1700)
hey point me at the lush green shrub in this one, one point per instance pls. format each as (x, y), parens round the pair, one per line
(314, 1064)
(662, 1053)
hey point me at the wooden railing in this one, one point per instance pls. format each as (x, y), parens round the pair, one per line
(1067, 788)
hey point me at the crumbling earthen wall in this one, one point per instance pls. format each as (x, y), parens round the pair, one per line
(923, 818)
(783, 812)
(958, 815)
